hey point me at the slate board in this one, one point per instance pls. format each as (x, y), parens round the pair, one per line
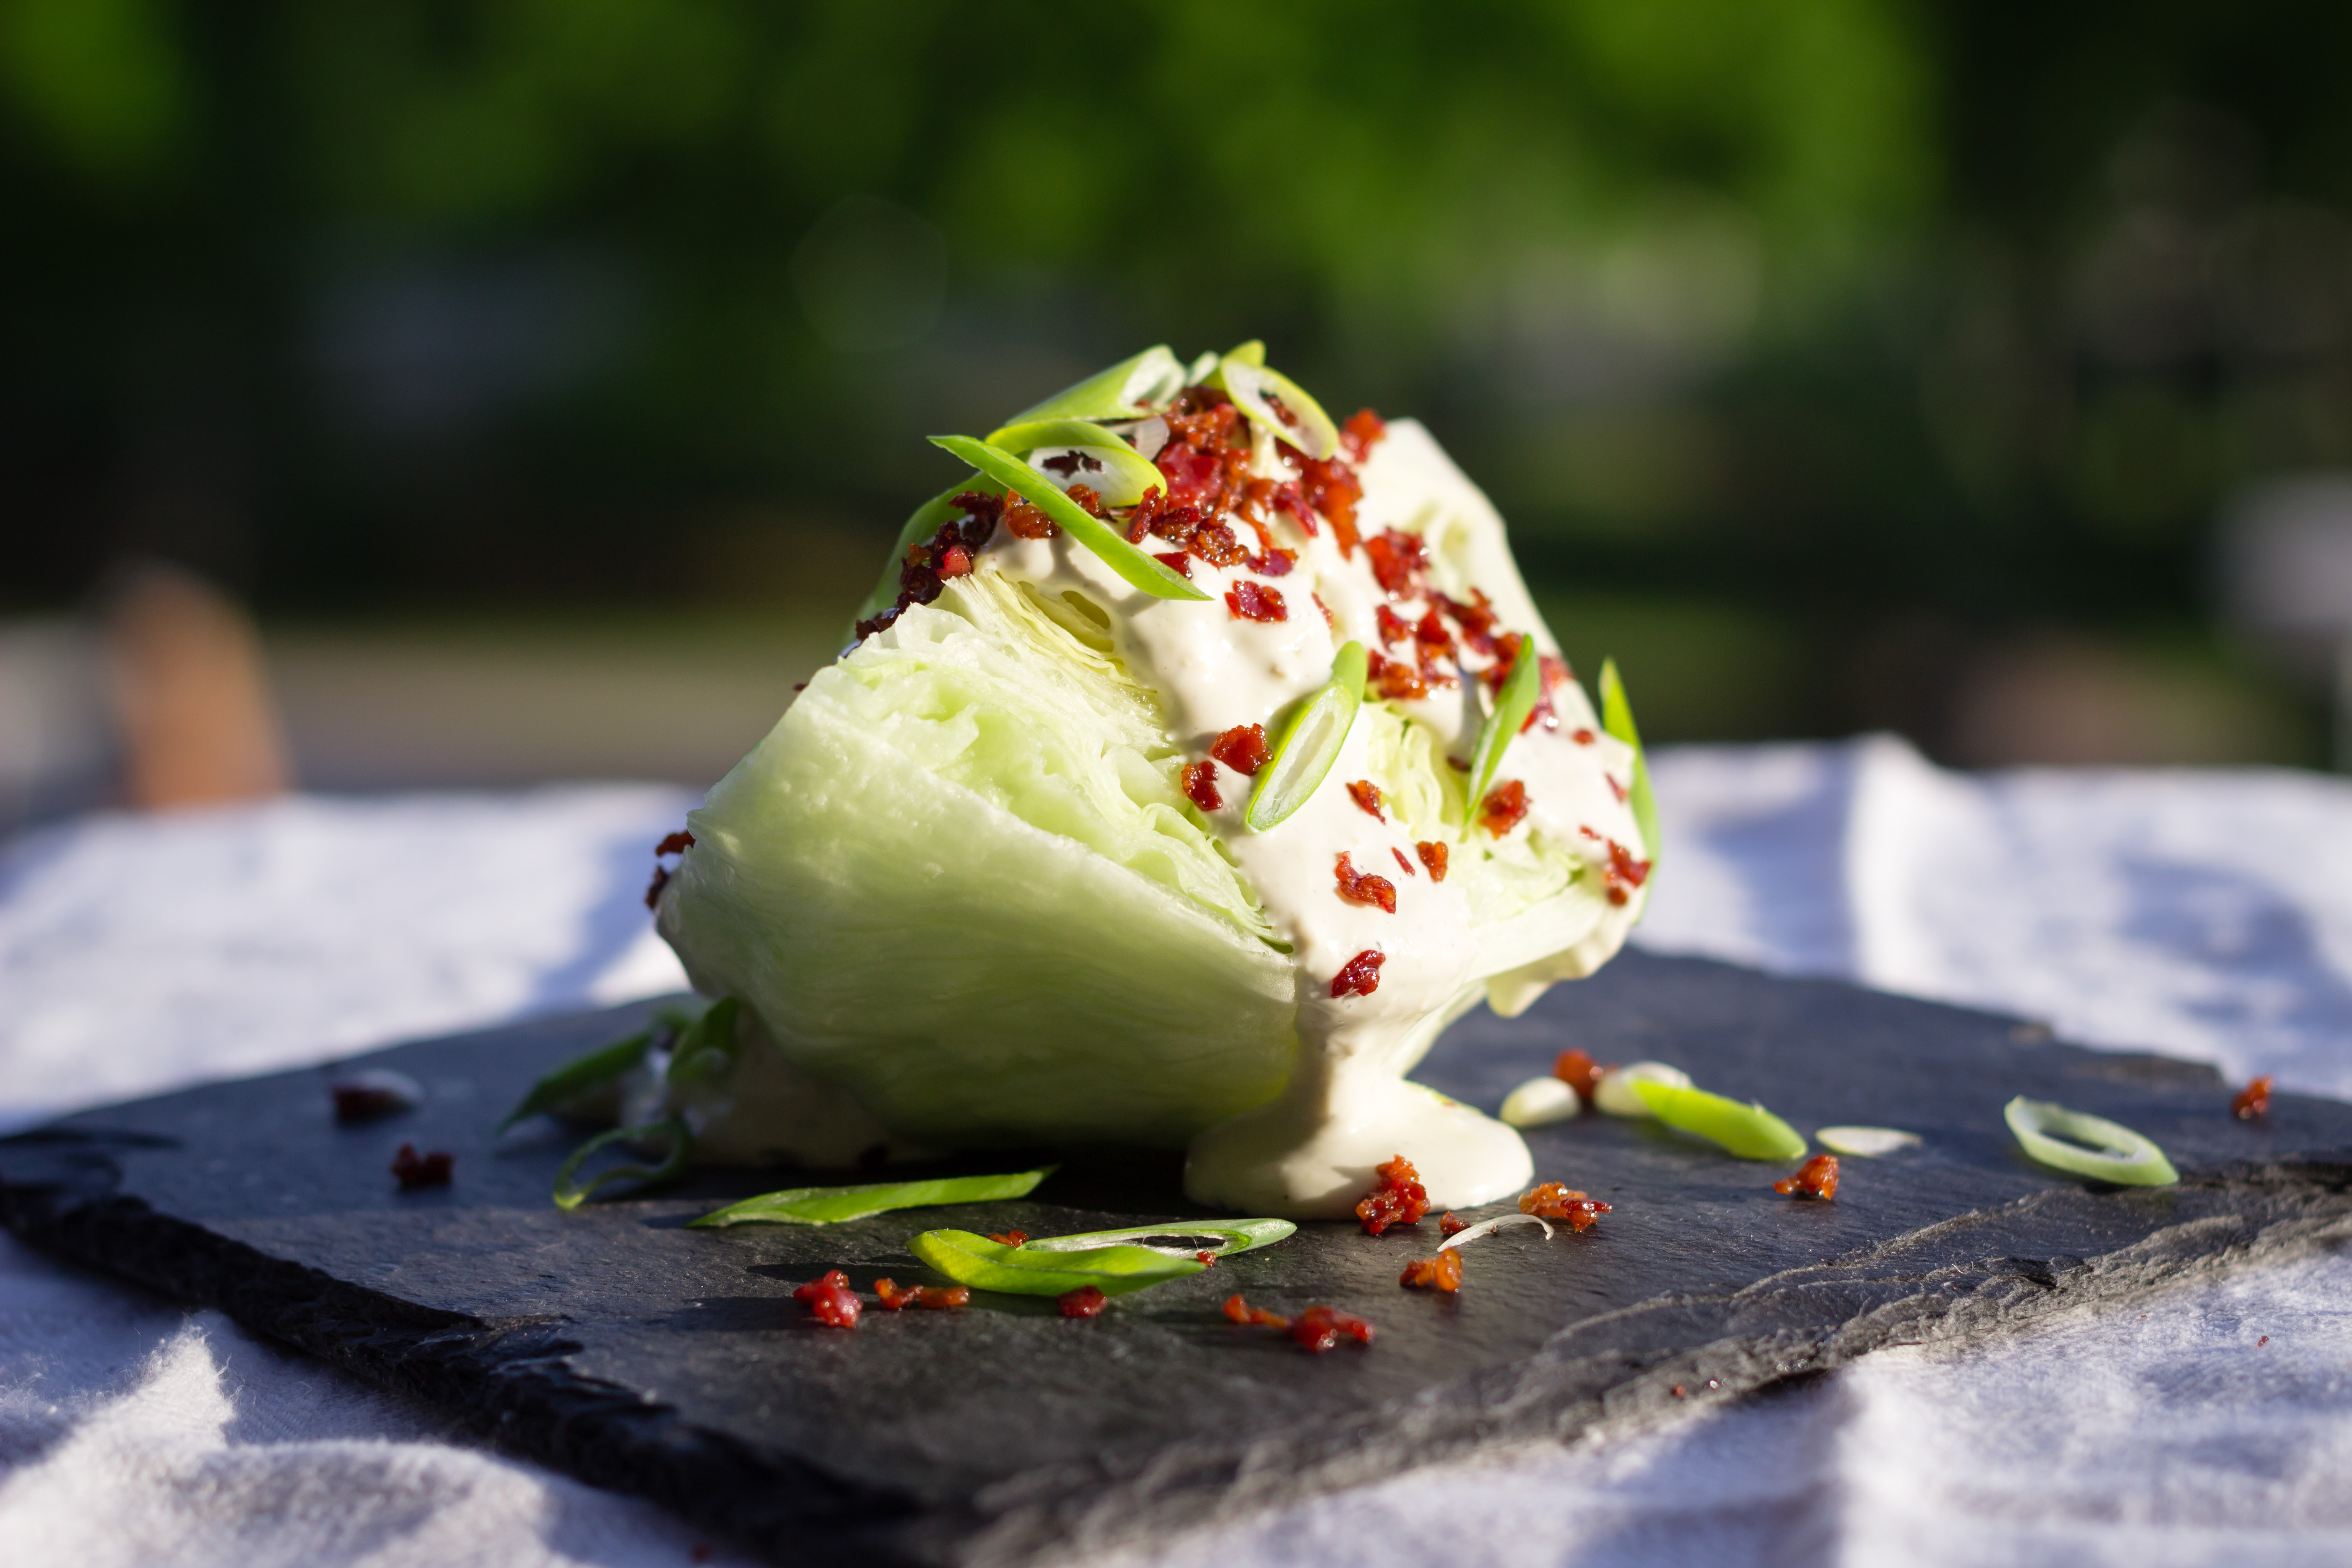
(612, 1344)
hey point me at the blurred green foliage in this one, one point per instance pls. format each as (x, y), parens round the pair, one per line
(1827, 329)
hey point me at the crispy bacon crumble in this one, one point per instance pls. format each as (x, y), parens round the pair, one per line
(1816, 1178)
(1434, 856)
(1199, 781)
(1505, 806)
(1321, 1329)
(1441, 1273)
(1367, 796)
(1397, 1198)
(1085, 1301)
(1240, 1311)
(829, 1299)
(1363, 887)
(1249, 602)
(1243, 748)
(2253, 1100)
(1554, 1200)
(413, 1169)
(1360, 975)
(1450, 1225)
(1012, 1238)
(1579, 1072)
(932, 1298)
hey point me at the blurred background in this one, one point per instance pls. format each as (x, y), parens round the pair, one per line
(406, 393)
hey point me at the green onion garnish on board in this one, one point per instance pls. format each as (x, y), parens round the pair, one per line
(1122, 476)
(1617, 718)
(1056, 1266)
(1309, 742)
(1748, 1131)
(1512, 703)
(2087, 1145)
(1131, 563)
(831, 1205)
(569, 1196)
(603, 1065)
(703, 1051)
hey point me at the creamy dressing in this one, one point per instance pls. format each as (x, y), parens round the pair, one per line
(1310, 1152)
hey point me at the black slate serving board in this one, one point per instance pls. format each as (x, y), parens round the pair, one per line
(617, 1345)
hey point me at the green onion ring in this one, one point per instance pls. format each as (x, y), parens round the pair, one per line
(568, 1196)
(2118, 1155)
(1138, 569)
(832, 1205)
(1309, 742)
(1749, 1131)
(1521, 688)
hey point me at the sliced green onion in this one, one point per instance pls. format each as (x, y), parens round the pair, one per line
(1202, 369)
(1122, 391)
(1617, 718)
(1236, 1235)
(918, 529)
(1309, 742)
(1125, 476)
(581, 1074)
(1539, 1103)
(986, 1264)
(1613, 1091)
(1867, 1143)
(1469, 1234)
(1256, 391)
(2055, 1135)
(1252, 352)
(1133, 564)
(568, 1196)
(1748, 1131)
(1521, 688)
(705, 1049)
(831, 1205)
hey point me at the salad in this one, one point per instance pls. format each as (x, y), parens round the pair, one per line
(1194, 762)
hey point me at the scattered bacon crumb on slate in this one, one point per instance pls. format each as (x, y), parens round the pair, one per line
(1012, 1238)
(1554, 1201)
(677, 843)
(1360, 975)
(1402, 864)
(1200, 786)
(2253, 1100)
(1363, 887)
(1248, 602)
(369, 1096)
(1579, 1072)
(1085, 1301)
(1504, 808)
(1441, 1273)
(1816, 1178)
(829, 1299)
(1242, 1312)
(1434, 856)
(1397, 1198)
(415, 1170)
(1450, 1225)
(1321, 1328)
(1206, 1257)
(932, 1298)
(1243, 748)
(1367, 796)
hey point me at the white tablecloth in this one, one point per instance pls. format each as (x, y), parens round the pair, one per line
(2208, 913)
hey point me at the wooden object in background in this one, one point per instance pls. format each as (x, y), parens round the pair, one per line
(190, 694)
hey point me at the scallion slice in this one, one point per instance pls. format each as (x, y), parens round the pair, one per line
(1617, 718)
(581, 1074)
(1234, 1236)
(569, 1196)
(2056, 1137)
(1469, 1234)
(1748, 1131)
(1309, 742)
(831, 1205)
(986, 1265)
(705, 1051)
(1122, 391)
(1517, 698)
(1263, 395)
(1133, 564)
(1122, 476)
(1866, 1143)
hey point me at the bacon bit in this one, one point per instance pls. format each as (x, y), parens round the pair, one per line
(1397, 1198)
(1360, 975)
(1085, 1301)
(677, 843)
(2260, 1343)
(1321, 1328)
(1582, 737)
(1504, 808)
(1449, 1225)
(1367, 796)
(1024, 521)
(954, 561)
(1363, 887)
(1614, 788)
(829, 1299)
(1555, 672)
(415, 1170)
(1677, 1391)
(1434, 856)
(1394, 628)
(950, 553)
(1089, 500)
(1816, 1178)
(1430, 634)
(2253, 1100)
(1214, 543)
(1012, 1238)
(1200, 786)
(1248, 602)
(1240, 1311)
(1554, 1201)
(1443, 1272)
(1331, 488)
(1069, 463)
(1176, 561)
(1243, 748)
(1206, 1257)
(1399, 560)
(932, 1298)
(1363, 431)
(369, 1096)
(654, 888)
(1394, 678)
(1326, 609)
(1476, 620)
(1402, 864)
(1274, 563)
(1579, 1072)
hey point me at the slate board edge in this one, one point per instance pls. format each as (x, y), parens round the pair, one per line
(508, 1379)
